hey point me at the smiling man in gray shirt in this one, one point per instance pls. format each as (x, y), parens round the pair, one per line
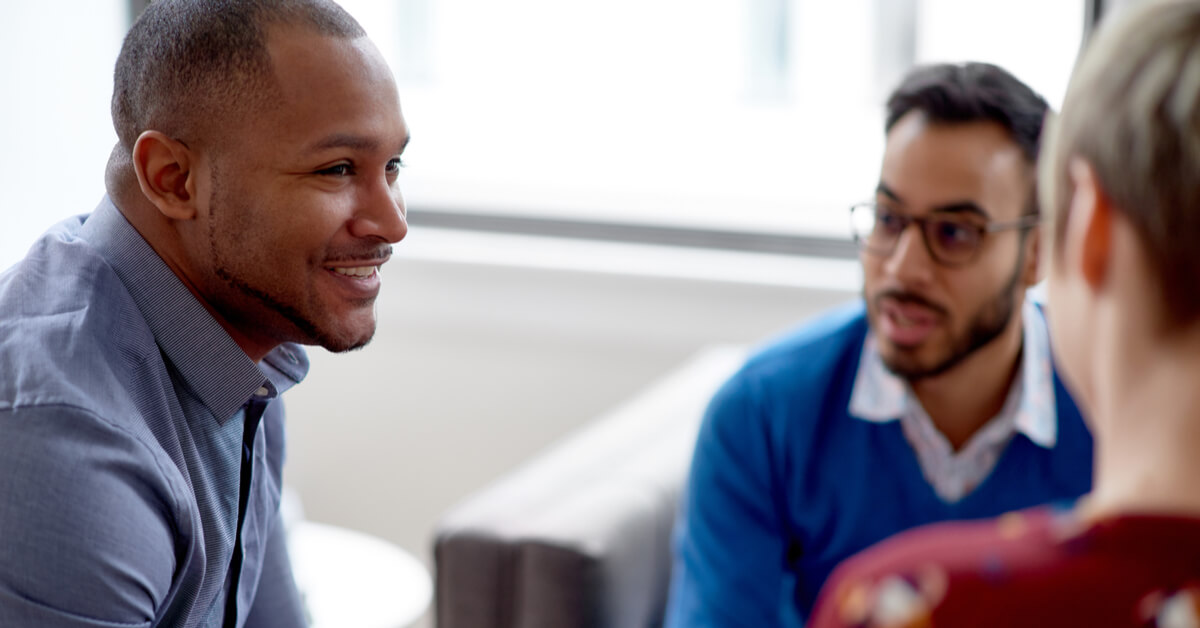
(251, 200)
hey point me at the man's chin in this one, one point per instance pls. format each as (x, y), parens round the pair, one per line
(346, 341)
(336, 335)
(908, 363)
(345, 330)
(346, 348)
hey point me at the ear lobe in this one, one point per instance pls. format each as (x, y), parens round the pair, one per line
(164, 171)
(1089, 223)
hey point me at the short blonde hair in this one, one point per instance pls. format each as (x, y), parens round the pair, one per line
(1132, 111)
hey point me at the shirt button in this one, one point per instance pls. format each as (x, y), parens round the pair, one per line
(262, 392)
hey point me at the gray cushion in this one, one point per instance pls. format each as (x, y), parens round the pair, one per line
(580, 535)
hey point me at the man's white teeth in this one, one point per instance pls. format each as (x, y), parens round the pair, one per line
(357, 271)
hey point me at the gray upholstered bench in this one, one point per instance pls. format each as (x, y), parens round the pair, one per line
(580, 535)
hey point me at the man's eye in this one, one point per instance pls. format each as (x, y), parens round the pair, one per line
(956, 234)
(889, 222)
(394, 165)
(340, 170)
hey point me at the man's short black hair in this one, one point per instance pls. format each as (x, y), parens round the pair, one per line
(187, 66)
(972, 92)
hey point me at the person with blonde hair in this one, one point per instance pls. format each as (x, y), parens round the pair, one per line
(1120, 178)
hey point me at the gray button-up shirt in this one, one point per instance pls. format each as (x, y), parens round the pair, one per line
(122, 404)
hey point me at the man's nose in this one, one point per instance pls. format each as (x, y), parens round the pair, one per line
(381, 214)
(910, 261)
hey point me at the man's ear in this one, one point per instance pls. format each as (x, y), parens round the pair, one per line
(1088, 238)
(164, 172)
(1031, 274)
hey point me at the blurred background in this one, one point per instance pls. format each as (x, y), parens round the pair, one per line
(597, 191)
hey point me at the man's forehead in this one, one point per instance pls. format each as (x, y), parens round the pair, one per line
(916, 135)
(300, 57)
(332, 90)
(929, 165)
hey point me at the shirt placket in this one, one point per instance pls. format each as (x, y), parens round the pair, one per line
(253, 413)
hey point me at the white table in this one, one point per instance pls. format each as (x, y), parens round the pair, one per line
(348, 578)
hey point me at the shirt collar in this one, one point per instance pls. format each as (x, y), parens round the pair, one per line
(208, 360)
(880, 396)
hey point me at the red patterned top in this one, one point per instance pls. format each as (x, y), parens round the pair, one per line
(1038, 567)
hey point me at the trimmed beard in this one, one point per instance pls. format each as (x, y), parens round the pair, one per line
(985, 326)
(311, 333)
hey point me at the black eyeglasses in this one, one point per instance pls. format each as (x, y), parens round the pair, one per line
(952, 238)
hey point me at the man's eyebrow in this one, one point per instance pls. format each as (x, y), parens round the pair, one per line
(962, 207)
(344, 140)
(958, 207)
(886, 191)
(352, 142)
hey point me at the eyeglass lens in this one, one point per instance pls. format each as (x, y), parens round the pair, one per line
(950, 238)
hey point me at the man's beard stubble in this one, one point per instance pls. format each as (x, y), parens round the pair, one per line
(310, 331)
(988, 323)
(312, 334)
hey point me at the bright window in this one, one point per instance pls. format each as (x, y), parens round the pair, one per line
(744, 115)
(735, 115)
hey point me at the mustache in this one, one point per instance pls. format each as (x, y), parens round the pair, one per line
(909, 298)
(370, 253)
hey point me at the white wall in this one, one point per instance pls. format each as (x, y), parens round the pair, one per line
(475, 367)
(478, 366)
(55, 127)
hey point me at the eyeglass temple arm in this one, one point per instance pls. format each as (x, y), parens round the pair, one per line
(1024, 222)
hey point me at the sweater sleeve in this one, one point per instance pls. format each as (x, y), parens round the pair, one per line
(86, 522)
(729, 564)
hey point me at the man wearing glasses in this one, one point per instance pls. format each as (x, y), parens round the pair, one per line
(934, 398)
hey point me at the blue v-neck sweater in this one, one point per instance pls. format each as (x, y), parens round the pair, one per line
(785, 483)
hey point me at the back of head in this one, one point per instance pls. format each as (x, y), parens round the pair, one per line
(1132, 111)
(188, 67)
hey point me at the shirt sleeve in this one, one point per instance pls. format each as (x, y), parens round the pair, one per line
(87, 518)
(730, 548)
(277, 603)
